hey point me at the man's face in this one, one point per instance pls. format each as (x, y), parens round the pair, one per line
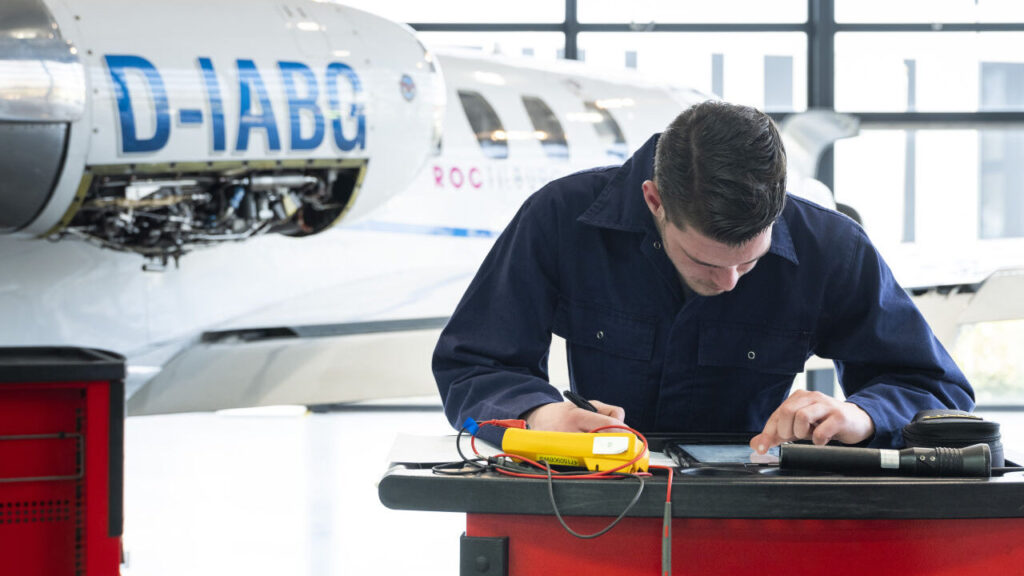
(708, 267)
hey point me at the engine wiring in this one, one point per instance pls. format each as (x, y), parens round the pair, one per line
(165, 214)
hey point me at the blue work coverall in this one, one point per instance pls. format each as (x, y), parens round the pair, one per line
(583, 259)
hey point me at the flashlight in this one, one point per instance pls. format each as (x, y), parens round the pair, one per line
(973, 460)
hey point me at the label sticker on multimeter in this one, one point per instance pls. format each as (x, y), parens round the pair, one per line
(610, 444)
(559, 460)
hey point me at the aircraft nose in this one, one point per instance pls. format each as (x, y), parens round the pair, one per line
(42, 91)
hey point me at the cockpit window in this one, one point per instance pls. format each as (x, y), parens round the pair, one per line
(490, 133)
(547, 128)
(608, 131)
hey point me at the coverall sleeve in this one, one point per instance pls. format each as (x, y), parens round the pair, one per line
(491, 359)
(887, 358)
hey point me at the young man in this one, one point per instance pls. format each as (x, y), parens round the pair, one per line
(691, 290)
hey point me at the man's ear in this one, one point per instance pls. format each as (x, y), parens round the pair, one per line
(653, 198)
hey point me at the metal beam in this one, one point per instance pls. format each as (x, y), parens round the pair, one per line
(571, 27)
(939, 120)
(575, 26)
(821, 54)
(933, 27)
(486, 27)
(821, 40)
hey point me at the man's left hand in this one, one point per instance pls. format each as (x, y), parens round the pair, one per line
(816, 416)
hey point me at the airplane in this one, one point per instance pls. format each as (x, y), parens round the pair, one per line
(511, 126)
(315, 260)
(129, 150)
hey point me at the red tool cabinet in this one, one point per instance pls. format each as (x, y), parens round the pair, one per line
(61, 461)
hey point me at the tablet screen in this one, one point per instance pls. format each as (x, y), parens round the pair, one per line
(728, 454)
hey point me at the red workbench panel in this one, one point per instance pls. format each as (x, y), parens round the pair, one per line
(729, 547)
(55, 481)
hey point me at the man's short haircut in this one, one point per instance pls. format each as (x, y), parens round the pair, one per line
(721, 168)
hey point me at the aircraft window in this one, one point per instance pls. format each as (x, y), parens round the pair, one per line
(546, 127)
(608, 131)
(486, 125)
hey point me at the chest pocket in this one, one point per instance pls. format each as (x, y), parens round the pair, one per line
(753, 347)
(600, 328)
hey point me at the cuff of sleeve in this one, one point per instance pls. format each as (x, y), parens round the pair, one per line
(491, 434)
(520, 405)
(888, 432)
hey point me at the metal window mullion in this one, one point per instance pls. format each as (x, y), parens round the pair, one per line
(938, 120)
(577, 27)
(821, 40)
(690, 27)
(933, 27)
(486, 27)
(571, 29)
(821, 54)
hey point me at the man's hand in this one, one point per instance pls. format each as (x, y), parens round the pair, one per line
(816, 416)
(566, 417)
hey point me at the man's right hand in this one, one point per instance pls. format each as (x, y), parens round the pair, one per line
(566, 417)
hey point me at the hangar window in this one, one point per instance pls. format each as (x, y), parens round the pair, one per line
(546, 127)
(914, 72)
(487, 127)
(767, 70)
(927, 11)
(607, 130)
(644, 11)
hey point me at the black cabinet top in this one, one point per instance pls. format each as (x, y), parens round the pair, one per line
(59, 364)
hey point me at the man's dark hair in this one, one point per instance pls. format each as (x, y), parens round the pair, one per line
(721, 168)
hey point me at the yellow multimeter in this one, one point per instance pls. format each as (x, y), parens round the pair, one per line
(591, 450)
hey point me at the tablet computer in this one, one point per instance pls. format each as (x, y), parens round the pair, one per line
(688, 455)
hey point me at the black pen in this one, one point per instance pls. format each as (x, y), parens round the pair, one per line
(578, 400)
